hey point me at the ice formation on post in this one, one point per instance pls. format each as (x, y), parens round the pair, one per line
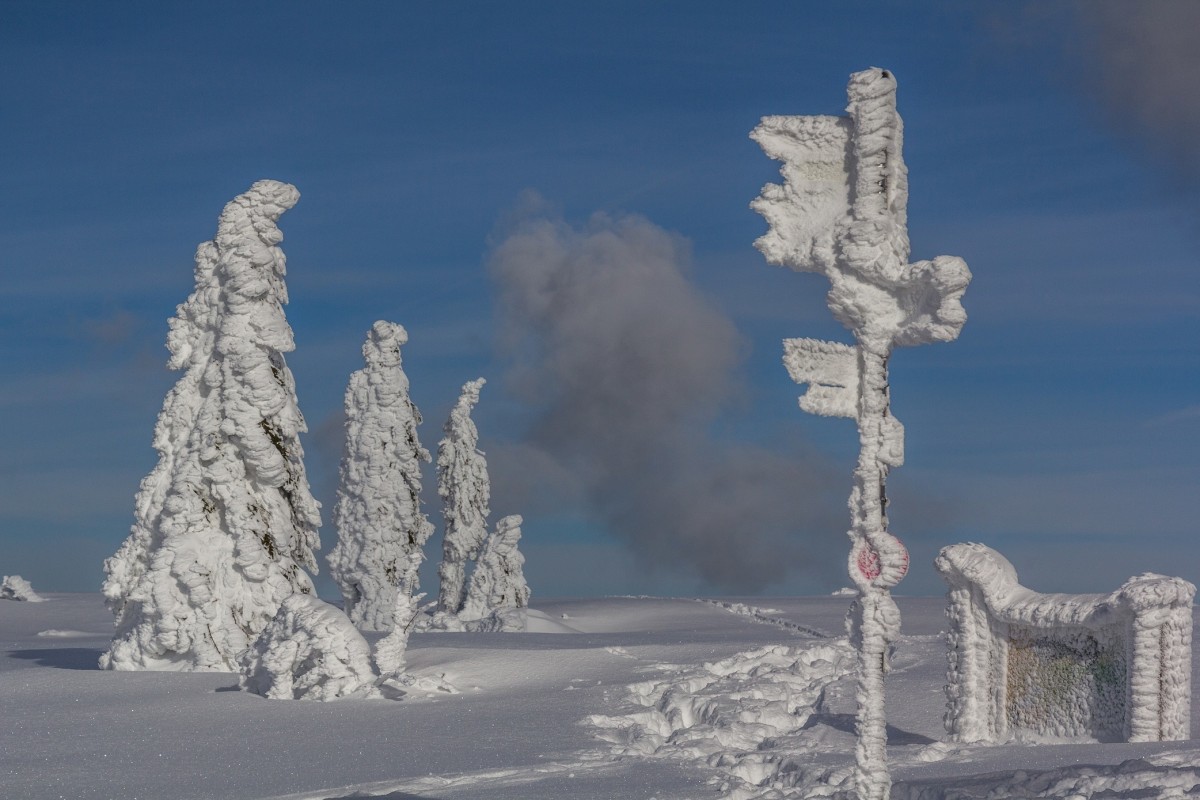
(497, 582)
(14, 587)
(1112, 666)
(224, 525)
(309, 651)
(841, 212)
(465, 490)
(381, 530)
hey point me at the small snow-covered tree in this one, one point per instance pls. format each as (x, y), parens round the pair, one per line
(381, 530)
(225, 524)
(391, 650)
(14, 587)
(465, 491)
(309, 651)
(497, 582)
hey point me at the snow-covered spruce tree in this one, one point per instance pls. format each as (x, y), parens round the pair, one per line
(381, 530)
(225, 524)
(465, 491)
(497, 583)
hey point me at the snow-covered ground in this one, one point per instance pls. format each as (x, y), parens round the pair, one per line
(629, 698)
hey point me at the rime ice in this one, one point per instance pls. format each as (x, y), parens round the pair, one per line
(497, 582)
(14, 587)
(224, 525)
(381, 530)
(842, 212)
(1115, 666)
(309, 651)
(465, 489)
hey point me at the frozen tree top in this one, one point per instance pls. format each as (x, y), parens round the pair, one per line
(842, 211)
(382, 347)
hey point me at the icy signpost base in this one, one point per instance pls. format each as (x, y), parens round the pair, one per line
(841, 211)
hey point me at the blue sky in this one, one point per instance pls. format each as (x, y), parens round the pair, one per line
(1061, 428)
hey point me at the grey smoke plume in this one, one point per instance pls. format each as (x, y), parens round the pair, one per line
(1146, 60)
(626, 365)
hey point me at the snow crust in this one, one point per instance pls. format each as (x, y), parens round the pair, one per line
(224, 525)
(465, 489)
(14, 587)
(497, 582)
(309, 651)
(842, 212)
(381, 530)
(1111, 666)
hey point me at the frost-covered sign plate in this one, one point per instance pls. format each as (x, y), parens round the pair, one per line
(841, 212)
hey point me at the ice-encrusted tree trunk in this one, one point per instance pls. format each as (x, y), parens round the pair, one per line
(842, 211)
(224, 525)
(381, 530)
(465, 490)
(498, 581)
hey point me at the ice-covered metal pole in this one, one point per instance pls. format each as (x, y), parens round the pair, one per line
(842, 212)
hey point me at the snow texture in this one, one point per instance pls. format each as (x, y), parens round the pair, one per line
(381, 530)
(1111, 666)
(842, 212)
(750, 715)
(224, 525)
(309, 651)
(465, 489)
(497, 582)
(14, 587)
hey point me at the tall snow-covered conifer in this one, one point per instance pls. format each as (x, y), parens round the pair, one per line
(498, 581)
(225, 524)
(381, 530)
(465, 490)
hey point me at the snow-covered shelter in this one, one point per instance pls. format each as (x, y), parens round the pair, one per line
(1113, 666)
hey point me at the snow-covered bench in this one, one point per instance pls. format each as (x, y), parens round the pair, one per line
(1112, 666)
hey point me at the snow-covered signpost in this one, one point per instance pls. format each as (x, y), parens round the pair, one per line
(842, 212)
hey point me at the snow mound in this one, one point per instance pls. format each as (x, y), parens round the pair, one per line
(14, 587)
(502, 620)
(747, 715)
(309, 651)
(1151, 777)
